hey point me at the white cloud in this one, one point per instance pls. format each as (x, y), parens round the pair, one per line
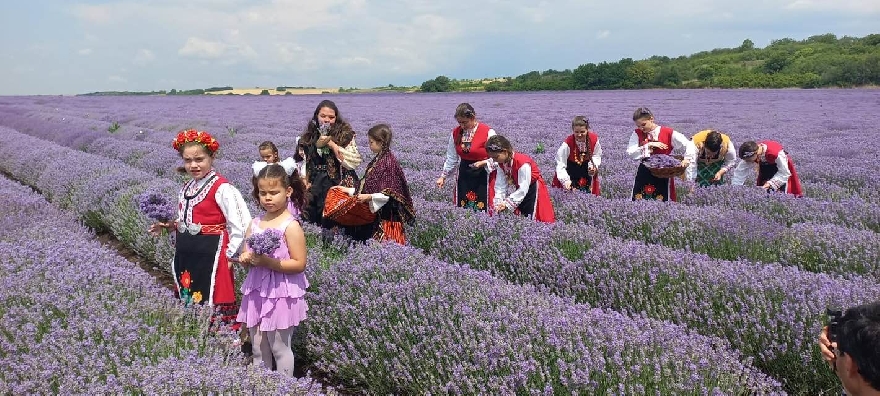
(199, 48)
(84, 51)
(856, 6)
(93, 13)
(116, 79)
(603, 34)
(143, 56)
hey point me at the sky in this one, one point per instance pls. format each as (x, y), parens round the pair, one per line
(71, 47)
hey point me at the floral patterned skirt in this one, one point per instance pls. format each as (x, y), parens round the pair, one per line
(197, 266)
(472, 188)
(647, 186)
(706, 172)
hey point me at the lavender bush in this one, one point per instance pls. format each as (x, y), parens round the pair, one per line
(399, 322)
(79, 319)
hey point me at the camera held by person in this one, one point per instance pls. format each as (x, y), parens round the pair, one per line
(851, 345)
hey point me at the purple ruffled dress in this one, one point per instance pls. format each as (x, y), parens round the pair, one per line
(271, 299)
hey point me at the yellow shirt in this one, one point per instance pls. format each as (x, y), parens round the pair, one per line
(700, 138)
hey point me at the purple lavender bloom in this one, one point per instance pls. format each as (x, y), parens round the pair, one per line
(266, 242)
(662, 161)
(157, 207)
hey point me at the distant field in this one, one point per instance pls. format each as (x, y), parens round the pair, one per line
(272, 91)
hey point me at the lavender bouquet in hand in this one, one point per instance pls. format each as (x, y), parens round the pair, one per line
(266, 242)
(156, 207)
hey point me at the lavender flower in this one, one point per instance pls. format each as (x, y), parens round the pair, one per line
(662, 161)
(266, 242)
(156, 206)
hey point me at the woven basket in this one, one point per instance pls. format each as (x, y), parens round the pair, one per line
(346, 210)
(668, 173)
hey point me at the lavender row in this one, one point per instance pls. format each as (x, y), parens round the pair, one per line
(768, 311)
(707, 230)
(570, 353)
(818, 144)
(80, 319)
(722, 232)
(782, 208)
(400, 322)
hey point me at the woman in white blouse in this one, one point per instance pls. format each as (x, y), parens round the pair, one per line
(648, 139)
(578, 159)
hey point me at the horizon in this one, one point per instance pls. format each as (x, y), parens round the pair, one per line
(100, 46)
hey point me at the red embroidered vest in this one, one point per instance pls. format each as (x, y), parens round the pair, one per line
(665, 137)
(477, 150)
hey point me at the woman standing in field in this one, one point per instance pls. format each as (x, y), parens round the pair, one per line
(269, 155)
(466, 149)
(211, 221)
(716, 155)
(331, 156)
(385, 190)
(648, 139)
(775, 168)
(578, 159)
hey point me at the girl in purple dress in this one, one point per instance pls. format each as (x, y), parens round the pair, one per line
(273, 302)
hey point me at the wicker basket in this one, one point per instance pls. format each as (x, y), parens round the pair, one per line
(668, 173)
(346, 210)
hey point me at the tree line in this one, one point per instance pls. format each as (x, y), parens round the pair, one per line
(818, 61)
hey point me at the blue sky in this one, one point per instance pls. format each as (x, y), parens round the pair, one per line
(68, 47)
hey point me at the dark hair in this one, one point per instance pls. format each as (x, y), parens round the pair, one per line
(497, 144)
(858, 335)
(382, 134)
(747, 147)
(465, 110)
(311, 133)
(182, 170)
(642, 112)
(713, 141)
(268, 145)
(275, 171)
(580, 121)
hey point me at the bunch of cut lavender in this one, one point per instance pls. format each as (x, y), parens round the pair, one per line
(265, 242)
(662, 161)
(324, 130)
(156, 206)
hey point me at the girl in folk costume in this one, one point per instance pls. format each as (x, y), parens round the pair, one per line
(519, 186)
(775, 168)
(466, 148)
(273, 294)
(650, 138)
(269, 155)
(578, 159)
(716, 155)
(211, 221)
(385, 190)
(331, 156)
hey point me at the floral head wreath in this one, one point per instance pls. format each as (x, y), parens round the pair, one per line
(192, 135)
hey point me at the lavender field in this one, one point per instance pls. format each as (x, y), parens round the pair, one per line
(721, 293)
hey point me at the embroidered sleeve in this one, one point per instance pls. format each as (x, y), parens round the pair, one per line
(452, 158)
(730, 156)
(524, 176)
(238, 217)
(690, 153)
(562, 164)
(597, 154)
(741, 172)
(782, 171)
(634, 151)
(500, 187)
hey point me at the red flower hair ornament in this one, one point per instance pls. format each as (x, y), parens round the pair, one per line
(192, 135)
